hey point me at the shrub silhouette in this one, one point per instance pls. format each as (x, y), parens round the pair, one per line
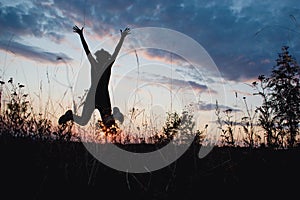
(280, 111)
(181, 128)
(266, 118)
(19, 120)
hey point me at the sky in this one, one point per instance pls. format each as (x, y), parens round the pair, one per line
(241, 37)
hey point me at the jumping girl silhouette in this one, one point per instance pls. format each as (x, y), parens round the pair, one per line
(98, 94)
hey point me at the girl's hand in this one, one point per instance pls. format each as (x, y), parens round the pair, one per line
(77, 30)
(125, 32)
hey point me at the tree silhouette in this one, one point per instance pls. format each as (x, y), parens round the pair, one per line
(285, 94)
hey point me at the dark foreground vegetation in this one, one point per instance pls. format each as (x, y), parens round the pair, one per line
(36, 169)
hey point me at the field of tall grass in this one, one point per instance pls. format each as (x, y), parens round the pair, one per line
(18, 118)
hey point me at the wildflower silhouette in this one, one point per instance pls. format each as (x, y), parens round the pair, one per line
(98, 94)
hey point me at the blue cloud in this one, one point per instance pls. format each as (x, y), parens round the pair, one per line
(176, 83)
(205, 106)
(27, 19)
(32, 52)
(227, 29)
(239, 35)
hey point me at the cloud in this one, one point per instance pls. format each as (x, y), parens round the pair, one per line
(31, 52)
(181, 65)
(197, 86)
(210, 107)
(163, 56)
(239, 35)
(176, 84)
(33, 19)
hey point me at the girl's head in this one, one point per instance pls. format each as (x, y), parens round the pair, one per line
(102, 55)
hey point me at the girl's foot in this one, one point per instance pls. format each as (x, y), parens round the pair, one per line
(108, 121)
(68, 116)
